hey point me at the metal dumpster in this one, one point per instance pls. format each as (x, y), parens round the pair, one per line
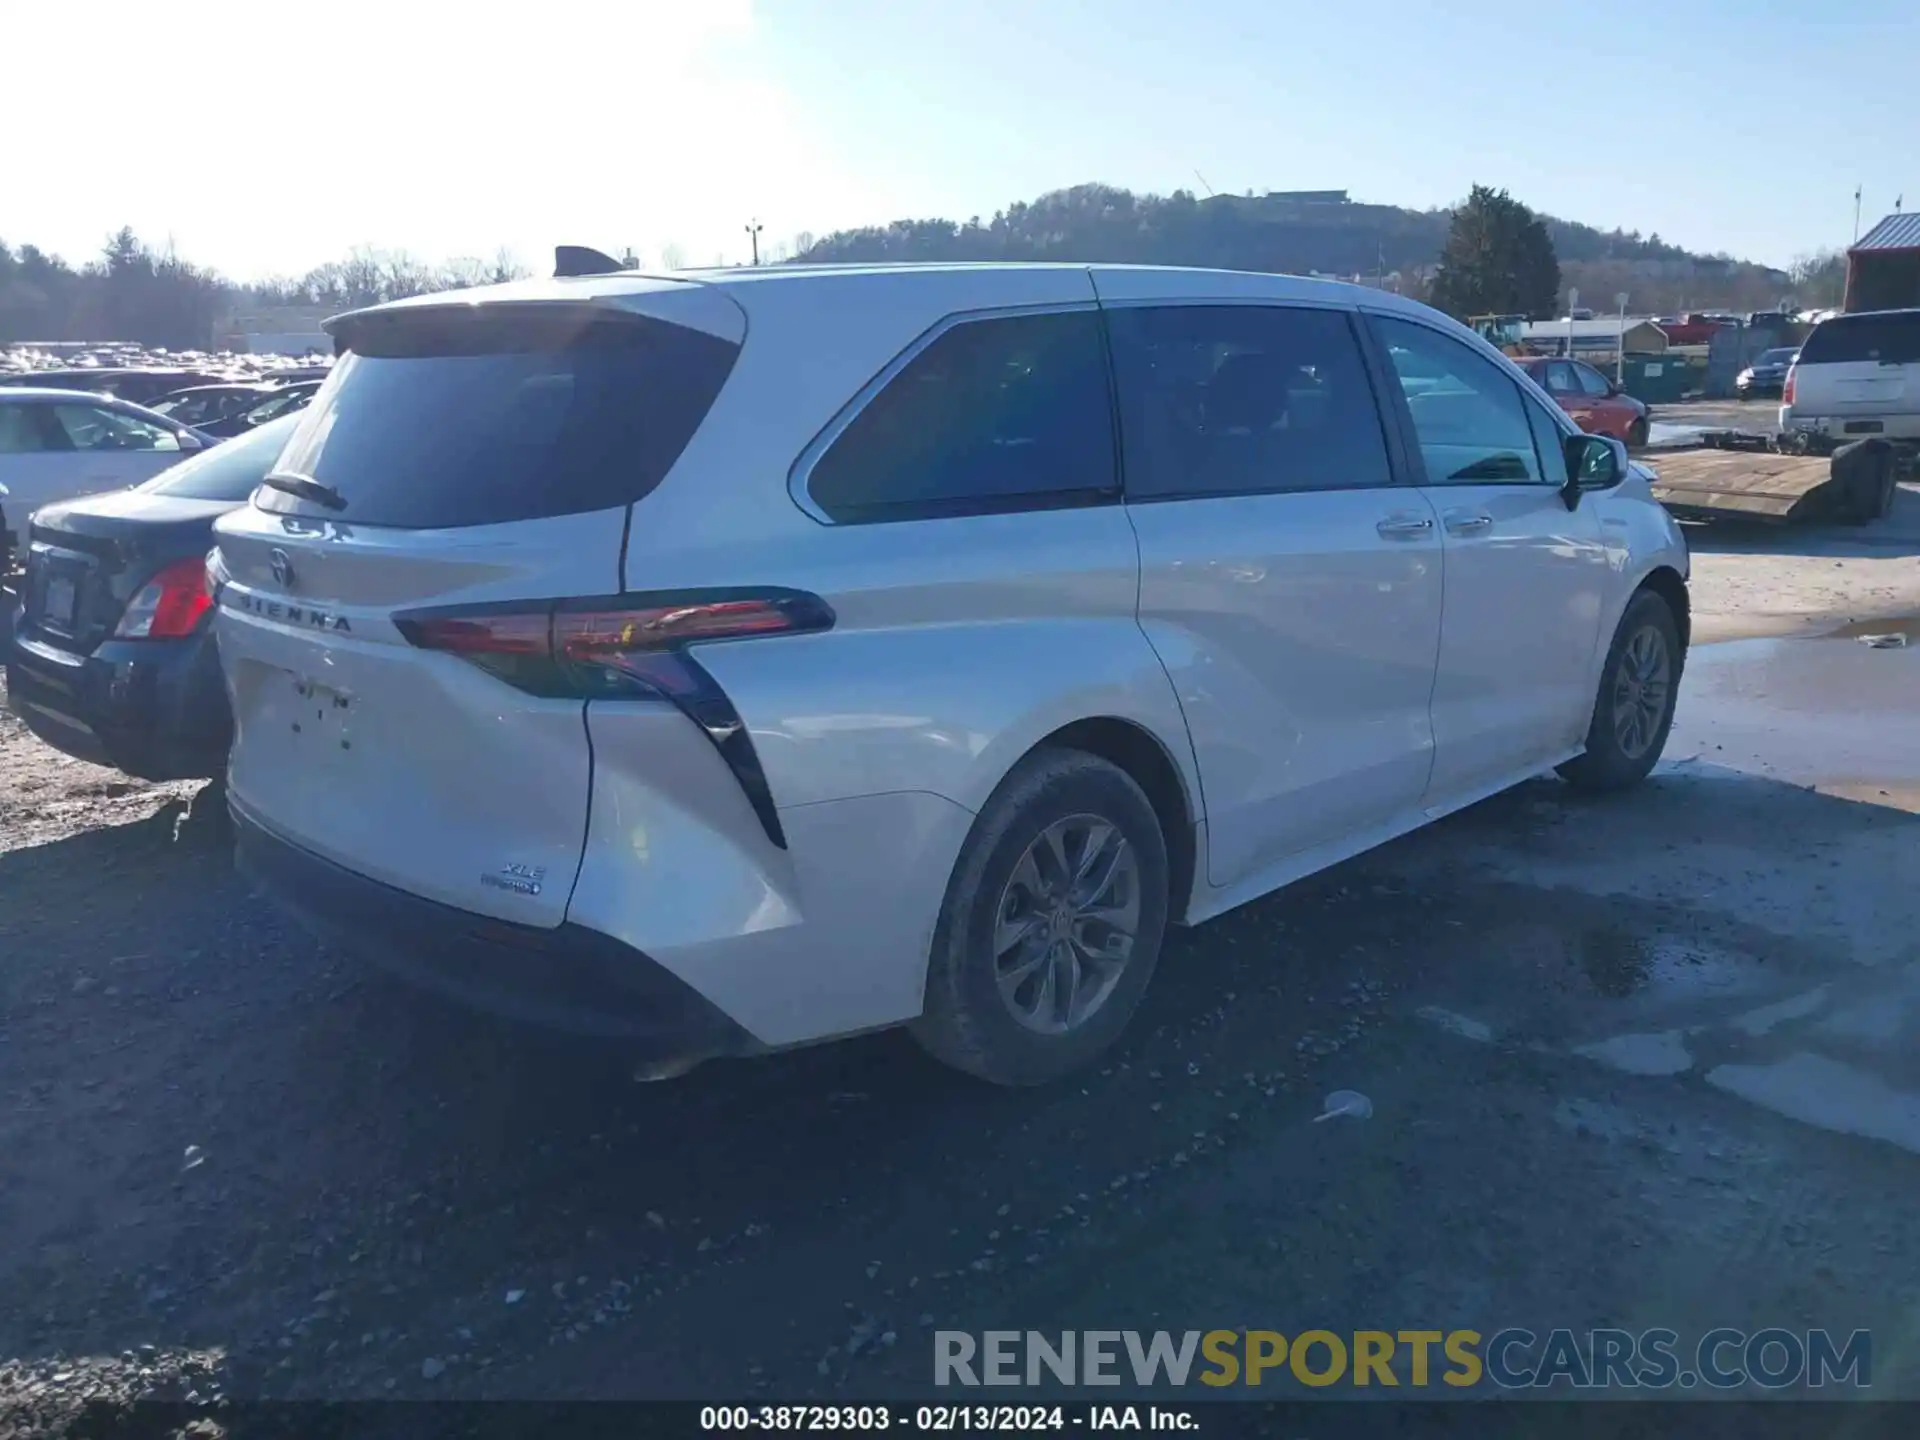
(1658, 379)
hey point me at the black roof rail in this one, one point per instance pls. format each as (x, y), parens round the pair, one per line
(569, 260)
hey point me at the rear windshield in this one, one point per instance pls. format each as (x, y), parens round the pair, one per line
(228, 471)
(436, 419)
(1892, 338)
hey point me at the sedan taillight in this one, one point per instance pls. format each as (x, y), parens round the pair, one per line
(169, 606)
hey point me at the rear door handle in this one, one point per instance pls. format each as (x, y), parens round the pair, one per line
(1468, 524)
(1404, 525)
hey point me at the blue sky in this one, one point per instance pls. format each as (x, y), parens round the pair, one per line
(1737, 125)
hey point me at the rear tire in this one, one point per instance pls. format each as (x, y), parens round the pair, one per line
(206, 817)
(1633, 712)
(1052, 923)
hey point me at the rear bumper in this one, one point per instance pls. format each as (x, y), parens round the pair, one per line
(152, 708)
(1901, 425)
(570, 978)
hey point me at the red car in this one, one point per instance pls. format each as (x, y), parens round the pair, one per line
(1595, 402)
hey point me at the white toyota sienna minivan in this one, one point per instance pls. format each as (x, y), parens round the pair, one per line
(739, 659)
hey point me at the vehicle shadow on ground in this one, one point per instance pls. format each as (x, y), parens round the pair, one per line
(218, 1134)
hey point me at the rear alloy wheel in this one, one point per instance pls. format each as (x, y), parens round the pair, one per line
(1634, 709)
(1052, 923)
(1065, 926)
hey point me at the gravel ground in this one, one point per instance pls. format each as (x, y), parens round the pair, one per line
(1756, 580)
(1760, 416)
(235, 1164)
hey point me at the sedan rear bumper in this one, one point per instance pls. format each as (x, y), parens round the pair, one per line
(152, 708)
(569, 978)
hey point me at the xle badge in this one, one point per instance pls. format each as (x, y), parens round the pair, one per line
(520, 879)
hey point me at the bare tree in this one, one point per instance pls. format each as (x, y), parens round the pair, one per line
(462, 272)
(403, 275)
(507, 266)
(672, 257)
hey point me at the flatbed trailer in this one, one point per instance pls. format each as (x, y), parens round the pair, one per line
(1719, 481)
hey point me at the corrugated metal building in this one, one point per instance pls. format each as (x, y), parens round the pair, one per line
(1883, 267)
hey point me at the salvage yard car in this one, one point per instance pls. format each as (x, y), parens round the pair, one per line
(110, 658)
(56, 444)
(202, 405)
(283, 400)
(1767, 375)
(745, 658)
(1856, 375)
(1596, 404)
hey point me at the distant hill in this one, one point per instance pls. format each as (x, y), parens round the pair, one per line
(1296, 233)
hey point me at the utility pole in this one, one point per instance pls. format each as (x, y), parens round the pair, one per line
(1620, 345)
(753, 233)
(1856, 213)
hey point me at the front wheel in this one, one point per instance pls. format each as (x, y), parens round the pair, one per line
(1052, 923)
(1637, 434)
(1634, 710)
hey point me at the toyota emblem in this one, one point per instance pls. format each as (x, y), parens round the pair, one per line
(282, 568)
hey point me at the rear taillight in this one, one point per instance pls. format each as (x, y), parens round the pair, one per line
(608, 647)
(170, 605)
(1786, 387)
(630, 647)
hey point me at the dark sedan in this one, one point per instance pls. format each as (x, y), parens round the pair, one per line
(203, 405)
(1767, 376)
(112, 658)
(279, 401)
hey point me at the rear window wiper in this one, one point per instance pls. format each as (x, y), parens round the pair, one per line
(306, 488)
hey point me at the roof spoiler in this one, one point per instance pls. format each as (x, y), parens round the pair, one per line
(572, 260)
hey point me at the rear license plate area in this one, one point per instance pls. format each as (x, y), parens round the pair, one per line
(319, 715)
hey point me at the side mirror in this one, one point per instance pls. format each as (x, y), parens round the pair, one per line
(189, 442)
(1594, 462)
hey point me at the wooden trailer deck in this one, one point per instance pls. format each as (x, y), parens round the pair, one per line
(1755, 484)
(1735, 476)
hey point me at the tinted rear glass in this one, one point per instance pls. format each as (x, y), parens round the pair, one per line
(1892, 338)
(1244, 400)
(436, 419)
(227, 472)
(994, 415)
